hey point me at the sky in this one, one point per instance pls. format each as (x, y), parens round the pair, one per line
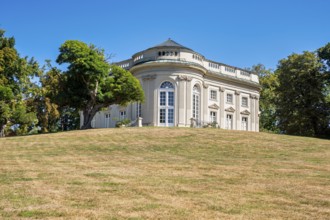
(241, 33)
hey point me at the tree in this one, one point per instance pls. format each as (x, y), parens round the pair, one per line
(42, 100)
(301, 105)
(269, 82)
(324, 55)
(91, 83)
(15, 85)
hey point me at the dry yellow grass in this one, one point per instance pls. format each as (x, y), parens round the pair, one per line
(164, 173)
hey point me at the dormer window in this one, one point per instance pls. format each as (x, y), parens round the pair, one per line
(167, 53)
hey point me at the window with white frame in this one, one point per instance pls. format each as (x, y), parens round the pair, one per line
(229, 121)
(213, 95)
(107, 120)
(230, 98)
(244, 101)
(196, 102)
(166, 104)
(213, 116)
(122, 115)
(244, 123)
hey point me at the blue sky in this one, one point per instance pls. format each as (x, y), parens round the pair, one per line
(237, 32)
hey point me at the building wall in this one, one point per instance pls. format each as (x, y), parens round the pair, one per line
(185, 69)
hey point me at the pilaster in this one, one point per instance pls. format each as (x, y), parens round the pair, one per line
(253, 113)
(222, 107)
(188, 110)
(182, 100)
(204, 103)
(238, 110)
(257, 113)
(148, 109)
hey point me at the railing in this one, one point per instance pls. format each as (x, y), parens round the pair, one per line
(203, 124)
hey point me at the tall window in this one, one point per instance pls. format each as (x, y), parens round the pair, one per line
(122, 115)
(244, 123)
(230, 98)
(107, 121)
(196, 103)
(229, 121)
(213, 95)
(244, 101)
(213, 116)
(166, 104)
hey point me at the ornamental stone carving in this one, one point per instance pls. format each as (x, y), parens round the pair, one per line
(245, 112)
(214, 106)
(253, 96)
(205, 85)
(221, 89)
(237, 92)
(230, 109)
(184, 78)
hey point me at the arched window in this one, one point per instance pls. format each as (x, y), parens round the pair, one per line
(196, 103)
(166, 104)
(166, 85)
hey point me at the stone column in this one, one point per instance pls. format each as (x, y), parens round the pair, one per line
(237, 109)
(257, 113)
(222, 107)
(252, 106)
(147, 106)
(182, 97)
(188, 109)
(204, 104)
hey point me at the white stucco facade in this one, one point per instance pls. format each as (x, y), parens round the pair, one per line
(183, 88)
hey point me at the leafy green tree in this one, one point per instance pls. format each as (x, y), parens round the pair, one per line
(15, 85)
(269, 82)
(91, 83)
(324, 55)
(301, 104)
(43, 105)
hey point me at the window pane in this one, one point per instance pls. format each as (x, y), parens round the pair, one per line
(229, 98)
(162, 115)
(170, 116)
(171, 98)
(213, 94)
(162, 98)
(244, 101)
(167, 85)
(213, 116)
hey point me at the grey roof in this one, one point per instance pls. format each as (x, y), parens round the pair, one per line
(171, 43)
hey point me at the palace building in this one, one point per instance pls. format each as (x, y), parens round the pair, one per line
(183, 88)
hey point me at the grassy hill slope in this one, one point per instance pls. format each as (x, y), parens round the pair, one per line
(164, 173)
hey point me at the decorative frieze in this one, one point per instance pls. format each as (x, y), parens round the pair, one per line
(149, 77)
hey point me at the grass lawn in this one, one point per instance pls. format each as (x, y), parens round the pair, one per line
(164, 173)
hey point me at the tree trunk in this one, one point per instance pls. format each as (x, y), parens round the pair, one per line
(2, 131)
(88, 114)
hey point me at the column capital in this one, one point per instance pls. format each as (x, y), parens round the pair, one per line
(253, 96)
(221, 89)
(237, 92)
(205, 85)
(184, 78)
